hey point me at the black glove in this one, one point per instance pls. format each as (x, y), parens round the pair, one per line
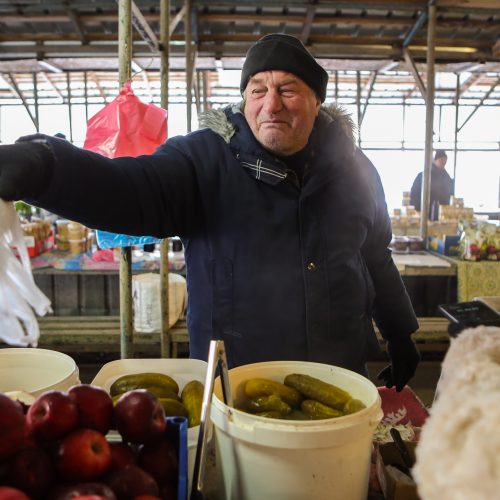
(404, 360)
(25, 169)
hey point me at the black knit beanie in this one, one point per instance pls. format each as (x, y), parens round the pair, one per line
(285, 53)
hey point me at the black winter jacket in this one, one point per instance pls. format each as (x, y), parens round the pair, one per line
(276, 270)
(441, 188)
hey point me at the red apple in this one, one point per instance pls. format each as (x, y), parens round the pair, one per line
(7, 493)
(52, 415)
(12, 426)
(83, 455)
(160, 460)
(139, 417)
(81, 490)
(121, 454)
(31, 470)
(130, 482)
(95, 407)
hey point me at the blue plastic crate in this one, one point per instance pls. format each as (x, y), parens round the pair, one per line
(177, 428)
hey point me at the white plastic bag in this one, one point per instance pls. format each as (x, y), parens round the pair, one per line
(19, 295)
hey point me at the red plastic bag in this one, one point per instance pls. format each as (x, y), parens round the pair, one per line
(126, 127)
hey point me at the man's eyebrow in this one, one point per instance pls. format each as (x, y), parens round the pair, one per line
(285, 82)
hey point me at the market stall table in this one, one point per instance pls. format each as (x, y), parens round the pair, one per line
(430, 280)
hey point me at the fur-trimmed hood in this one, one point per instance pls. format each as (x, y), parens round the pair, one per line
(217, 120)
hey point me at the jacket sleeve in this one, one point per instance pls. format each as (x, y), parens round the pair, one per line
(392, 309)
(155, 195)
(416, 192)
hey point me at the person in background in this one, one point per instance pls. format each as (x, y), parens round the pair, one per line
(441, 187)
(283, 219)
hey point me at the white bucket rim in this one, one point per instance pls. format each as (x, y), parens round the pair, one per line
(70, 375)
(248, 426)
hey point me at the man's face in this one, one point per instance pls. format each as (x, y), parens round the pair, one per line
(280, 109)
(441, 161)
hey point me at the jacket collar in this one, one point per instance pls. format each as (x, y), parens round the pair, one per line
(332, 124)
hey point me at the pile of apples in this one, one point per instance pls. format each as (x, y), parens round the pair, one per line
(57, 449)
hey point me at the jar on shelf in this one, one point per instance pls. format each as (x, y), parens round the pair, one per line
(400, 244)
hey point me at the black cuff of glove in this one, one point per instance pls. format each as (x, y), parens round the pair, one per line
(404, 357)
(25, 168)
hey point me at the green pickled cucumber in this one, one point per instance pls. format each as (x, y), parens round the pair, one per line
(353, 406)
(192, 399)
(256, 387)
(143, 381)
(269, 403)
(173, 408)
(317, 411)
(316, 389)
(159, 392)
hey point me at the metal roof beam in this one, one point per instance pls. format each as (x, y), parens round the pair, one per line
(370, 84)
(492, 88)
(422, 19)
(52, 84)
(306, 30)
(176, 20)
(472, 80)
(11, 82)
(413, 68)
(94, 78)
(208, 17)
(143, 28)
(76, 23)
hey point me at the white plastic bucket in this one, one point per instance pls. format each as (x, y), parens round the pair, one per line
(36, 370)
(261, 458)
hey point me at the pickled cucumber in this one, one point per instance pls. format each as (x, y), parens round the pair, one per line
(269, 403)
(256, 387)
(173, 408)
(316, 389)
(159, 392)
(317, 411)
(192, 398)
(143, 381)
(353, 406)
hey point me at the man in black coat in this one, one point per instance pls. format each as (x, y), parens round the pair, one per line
(441, 188)
(282, 217)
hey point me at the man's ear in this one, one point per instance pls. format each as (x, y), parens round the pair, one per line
(318, 105)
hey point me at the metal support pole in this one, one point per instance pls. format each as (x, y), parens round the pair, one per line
(455, 139)
(125, 60)
(164, 245)
(358, 105)
(35, 95)
(70, 111)
(336, 86)
(404, 123)
(189, 64)
(86, 96)
(205, 90)
(197, 93)
(429, 121)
